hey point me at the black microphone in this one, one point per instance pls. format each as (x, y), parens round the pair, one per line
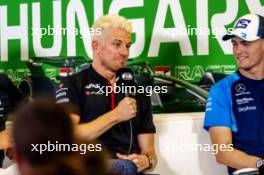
(125, 80)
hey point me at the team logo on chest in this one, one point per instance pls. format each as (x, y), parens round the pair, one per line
(240, 88)
(93, 89)
(244, 99)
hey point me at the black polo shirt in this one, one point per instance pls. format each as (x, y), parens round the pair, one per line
(83, 90)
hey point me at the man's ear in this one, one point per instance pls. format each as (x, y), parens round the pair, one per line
(95, 46)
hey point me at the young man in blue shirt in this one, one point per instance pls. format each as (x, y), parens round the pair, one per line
(235, 107)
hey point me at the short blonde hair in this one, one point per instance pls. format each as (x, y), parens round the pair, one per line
(113, 21)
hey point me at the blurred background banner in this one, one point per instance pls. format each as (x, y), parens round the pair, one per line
(176, 37)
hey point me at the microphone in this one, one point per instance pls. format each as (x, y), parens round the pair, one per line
(125, 78)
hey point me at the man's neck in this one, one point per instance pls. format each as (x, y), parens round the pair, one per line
(101, 70)
(256, 73)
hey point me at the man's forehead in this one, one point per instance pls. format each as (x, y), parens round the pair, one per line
(237, 39)
(119, 34)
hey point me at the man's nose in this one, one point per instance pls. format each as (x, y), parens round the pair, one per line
(238, 49)
(124, 51)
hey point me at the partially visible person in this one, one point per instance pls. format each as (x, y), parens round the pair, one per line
(9, 98)
(235, 108)
(43, 122)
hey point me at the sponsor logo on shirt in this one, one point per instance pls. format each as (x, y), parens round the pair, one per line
(209, 105)
(240, 88)
(247, 108)
(63, 93)
(92, 86)
(1, 109)
(93, 89)
(244, 100)
(63, 100)
(88, 93)
(62, 89)
(61, 85)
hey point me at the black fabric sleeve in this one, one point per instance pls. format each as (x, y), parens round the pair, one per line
(9, 98)
(14, 94)
(6, 86)
(68, 96)
(146, 117)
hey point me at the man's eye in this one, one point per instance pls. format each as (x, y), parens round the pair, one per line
(246, 44)
(234, 44)
(117, 44)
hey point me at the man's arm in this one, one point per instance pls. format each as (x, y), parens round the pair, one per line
(234, 158)
(146, 146)
(124, 111)
(95, 128)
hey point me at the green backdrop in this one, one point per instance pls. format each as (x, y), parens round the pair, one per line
(158, 32)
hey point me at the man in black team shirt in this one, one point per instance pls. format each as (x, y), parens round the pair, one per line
(107, 116)
(9, 97)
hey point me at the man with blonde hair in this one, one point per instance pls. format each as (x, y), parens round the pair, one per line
(107, 117)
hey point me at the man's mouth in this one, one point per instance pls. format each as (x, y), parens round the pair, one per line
(240, 59)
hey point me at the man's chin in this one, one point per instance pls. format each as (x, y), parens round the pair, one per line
(243, 66)
(120, 66)
(115, 69)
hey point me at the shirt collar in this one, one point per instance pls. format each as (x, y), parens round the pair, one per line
(249, 79)
(96, 76)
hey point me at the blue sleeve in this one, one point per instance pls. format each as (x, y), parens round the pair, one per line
(219, 108)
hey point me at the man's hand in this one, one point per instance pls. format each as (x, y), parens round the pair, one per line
(5, 139)
(141, 161)
(126, 109)
(233, 158)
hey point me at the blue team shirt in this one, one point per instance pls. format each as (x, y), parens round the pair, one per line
(237, 102)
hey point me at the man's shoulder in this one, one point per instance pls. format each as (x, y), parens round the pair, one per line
(225, 83)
